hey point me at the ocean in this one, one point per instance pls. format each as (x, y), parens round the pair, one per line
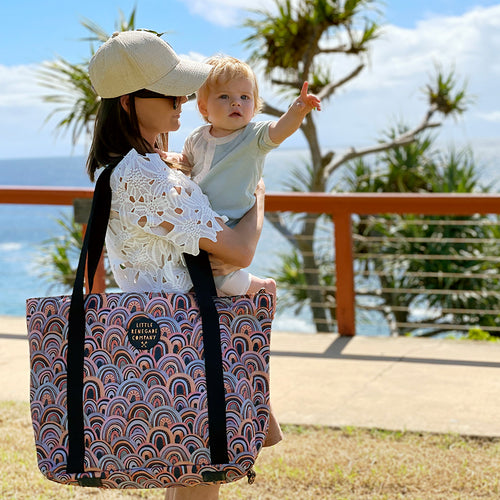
(23, 229)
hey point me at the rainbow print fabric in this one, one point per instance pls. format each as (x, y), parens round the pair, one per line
(145, 409)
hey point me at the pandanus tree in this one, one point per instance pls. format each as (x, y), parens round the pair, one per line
(408, 253)
(295, 41)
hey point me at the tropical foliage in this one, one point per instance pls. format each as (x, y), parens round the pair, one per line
(60, 254)
(434, 265)
(298, 41)
(70, 85)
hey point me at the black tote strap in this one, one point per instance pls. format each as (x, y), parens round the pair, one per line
(204, 286)
(93, 243)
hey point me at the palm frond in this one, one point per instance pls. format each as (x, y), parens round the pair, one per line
(73, 94)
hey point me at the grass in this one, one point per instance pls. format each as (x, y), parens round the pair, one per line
(311, 463)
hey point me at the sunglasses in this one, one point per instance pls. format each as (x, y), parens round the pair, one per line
(149, 94)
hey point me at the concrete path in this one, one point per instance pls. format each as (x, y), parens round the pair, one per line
(388, 383)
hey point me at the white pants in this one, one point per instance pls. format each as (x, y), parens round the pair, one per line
(235, 283)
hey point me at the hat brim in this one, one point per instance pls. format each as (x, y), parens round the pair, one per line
(185, 78)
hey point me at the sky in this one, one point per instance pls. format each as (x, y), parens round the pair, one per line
(418, 36)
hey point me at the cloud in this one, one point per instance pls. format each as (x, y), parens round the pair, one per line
(23, 128)
(469, 43)
(492, 116)
(224, 12)
(19, 86)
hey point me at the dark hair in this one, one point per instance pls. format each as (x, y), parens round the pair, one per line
(116, 132)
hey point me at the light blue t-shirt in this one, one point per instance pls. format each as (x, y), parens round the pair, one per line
(228, 168)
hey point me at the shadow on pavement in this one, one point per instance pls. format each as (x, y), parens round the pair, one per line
(334, 351)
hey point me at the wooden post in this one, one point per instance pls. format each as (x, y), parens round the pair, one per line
(345, 295)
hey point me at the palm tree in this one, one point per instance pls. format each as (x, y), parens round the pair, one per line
(299, 41)
(59, 256)
(70, 84)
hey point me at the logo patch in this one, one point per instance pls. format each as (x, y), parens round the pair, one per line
(143, 332)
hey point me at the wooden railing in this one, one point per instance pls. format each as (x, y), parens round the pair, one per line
(340, 207)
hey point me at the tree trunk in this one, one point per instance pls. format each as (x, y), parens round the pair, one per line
(315, 293)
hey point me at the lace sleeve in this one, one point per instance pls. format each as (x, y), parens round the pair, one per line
(148, 193)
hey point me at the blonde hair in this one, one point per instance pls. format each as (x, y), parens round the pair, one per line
(227, 68)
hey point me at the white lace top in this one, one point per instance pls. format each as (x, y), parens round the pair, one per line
(143, 255)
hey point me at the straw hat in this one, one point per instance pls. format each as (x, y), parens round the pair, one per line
(134, 60)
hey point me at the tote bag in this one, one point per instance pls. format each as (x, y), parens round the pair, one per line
(147, 390)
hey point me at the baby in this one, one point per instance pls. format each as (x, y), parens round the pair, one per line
(227, 154)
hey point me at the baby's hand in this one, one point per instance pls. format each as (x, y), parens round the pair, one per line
(307, 101)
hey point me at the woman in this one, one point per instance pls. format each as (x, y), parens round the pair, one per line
(157, 212)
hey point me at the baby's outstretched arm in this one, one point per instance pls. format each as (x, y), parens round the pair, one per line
(292, 119)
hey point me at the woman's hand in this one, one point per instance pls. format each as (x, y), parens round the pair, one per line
(221, 268)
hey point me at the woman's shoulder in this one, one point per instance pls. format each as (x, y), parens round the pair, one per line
(133, 159)
(148, 171)
(148, 165)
